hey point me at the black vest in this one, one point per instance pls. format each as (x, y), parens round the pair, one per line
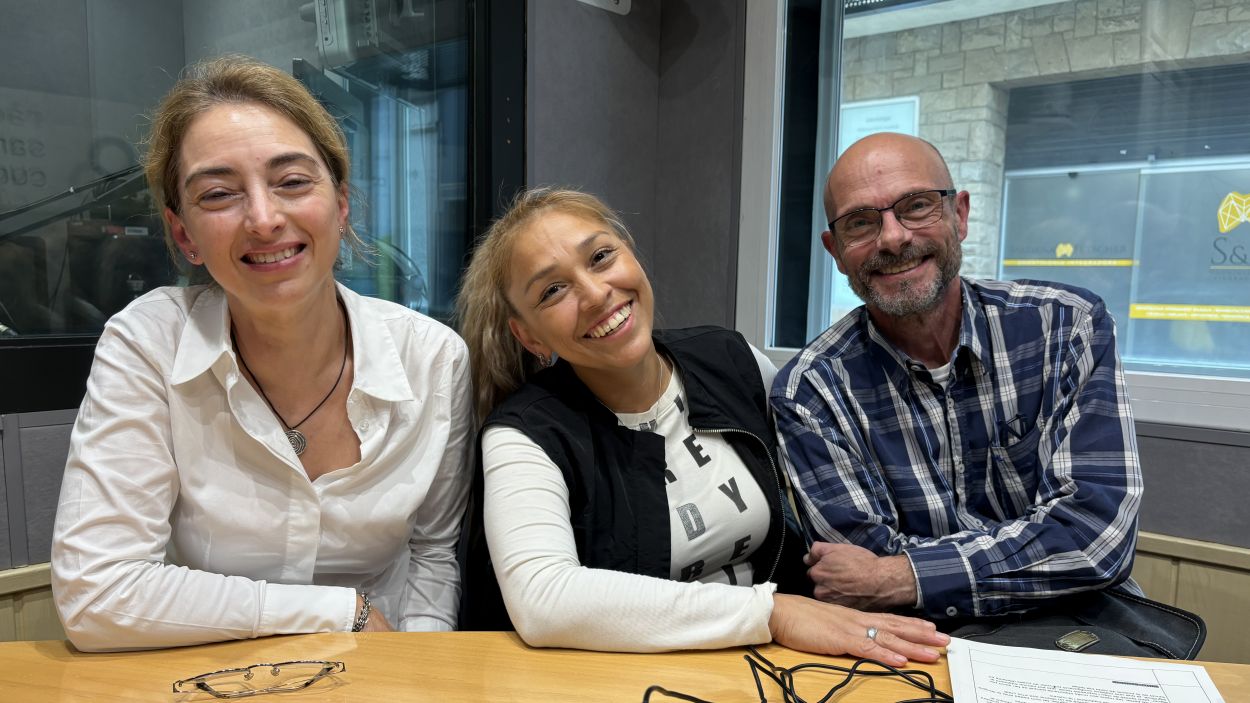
(617, 496)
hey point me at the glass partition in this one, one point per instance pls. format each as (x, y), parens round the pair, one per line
(79, 234)
(1103, 144)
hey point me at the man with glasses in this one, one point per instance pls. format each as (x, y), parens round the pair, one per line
(960, 447)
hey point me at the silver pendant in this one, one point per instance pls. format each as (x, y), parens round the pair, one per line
(298, 442)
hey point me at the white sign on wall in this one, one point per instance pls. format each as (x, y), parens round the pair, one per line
(856, 121)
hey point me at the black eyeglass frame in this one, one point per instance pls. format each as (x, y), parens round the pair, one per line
(943, 193)
(762, 668)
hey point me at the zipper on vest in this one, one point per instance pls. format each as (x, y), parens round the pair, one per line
(781, 496)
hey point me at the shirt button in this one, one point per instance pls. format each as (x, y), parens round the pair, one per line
(363, 426)
(951, 611)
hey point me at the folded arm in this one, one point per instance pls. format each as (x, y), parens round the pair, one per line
(1077, 534)
(432, 594)
(111, 585)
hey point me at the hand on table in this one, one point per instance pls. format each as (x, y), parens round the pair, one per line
(823, 628)
(855, 577)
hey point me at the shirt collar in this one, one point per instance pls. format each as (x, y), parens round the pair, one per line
(974, 330)
(375, 356)
(973, 339)
(205, 339)
(205, 345)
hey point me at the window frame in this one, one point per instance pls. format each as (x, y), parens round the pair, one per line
(763, 81)
(1164, 398)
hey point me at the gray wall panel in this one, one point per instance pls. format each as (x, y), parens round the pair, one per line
(44, 450)
(1196, 490)
(33, 449)
(698, 172)
(646, 111)
(6, 557)
(592, 90)
(15, 508)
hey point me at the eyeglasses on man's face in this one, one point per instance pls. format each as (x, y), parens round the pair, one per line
(256, 679)
(913, 211)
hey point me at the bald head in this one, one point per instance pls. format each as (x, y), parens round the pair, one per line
(879, 154)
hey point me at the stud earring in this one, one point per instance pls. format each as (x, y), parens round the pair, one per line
(192, 255)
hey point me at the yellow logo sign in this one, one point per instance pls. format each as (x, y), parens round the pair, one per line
(1064, 249)
(1233, 211)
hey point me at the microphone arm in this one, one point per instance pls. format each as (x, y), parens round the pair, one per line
(99, 189)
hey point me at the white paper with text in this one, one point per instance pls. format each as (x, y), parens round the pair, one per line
(987, 673)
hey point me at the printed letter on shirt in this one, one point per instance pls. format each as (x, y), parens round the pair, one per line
(692, 520)
(692, 572)
(696, 450)
(731, 489)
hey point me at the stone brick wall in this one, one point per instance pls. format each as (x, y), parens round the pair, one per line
(963, 72)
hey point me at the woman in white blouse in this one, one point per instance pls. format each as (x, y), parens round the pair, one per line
(269, 452)
(631, 499)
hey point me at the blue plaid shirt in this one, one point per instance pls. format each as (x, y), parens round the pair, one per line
(1016, 483)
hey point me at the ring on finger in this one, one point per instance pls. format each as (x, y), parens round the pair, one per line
(872, 634)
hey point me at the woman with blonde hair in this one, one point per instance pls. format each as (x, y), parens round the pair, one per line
(267, 452)
(630, 496)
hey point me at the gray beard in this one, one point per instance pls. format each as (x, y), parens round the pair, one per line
(911, 299)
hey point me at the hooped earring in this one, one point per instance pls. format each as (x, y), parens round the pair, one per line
(545, 362)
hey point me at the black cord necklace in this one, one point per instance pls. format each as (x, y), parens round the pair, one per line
(297, 439)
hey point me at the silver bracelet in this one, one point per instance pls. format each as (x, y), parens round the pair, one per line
(363, 617)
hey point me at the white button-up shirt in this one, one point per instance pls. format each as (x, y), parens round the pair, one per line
(185, 516)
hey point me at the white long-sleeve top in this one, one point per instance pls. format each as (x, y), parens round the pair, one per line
(185, 516)
(555, 601)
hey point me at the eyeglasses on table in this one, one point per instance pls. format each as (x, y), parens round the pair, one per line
(763, 669)
(255, 679)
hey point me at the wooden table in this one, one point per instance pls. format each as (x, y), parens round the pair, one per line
(444, 667)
